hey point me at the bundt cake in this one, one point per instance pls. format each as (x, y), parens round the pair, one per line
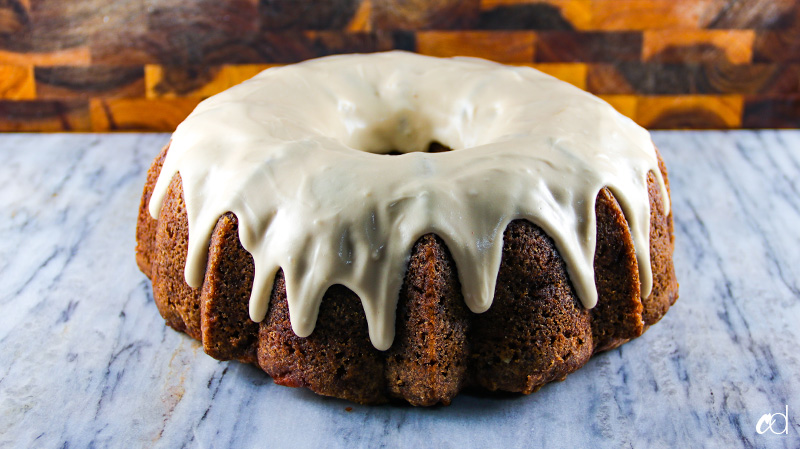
(401, 226)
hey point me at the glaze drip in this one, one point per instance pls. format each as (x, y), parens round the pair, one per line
(297, 153)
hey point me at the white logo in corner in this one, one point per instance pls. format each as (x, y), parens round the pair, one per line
(768, 420)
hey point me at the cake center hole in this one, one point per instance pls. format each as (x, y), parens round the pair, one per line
(433, 147)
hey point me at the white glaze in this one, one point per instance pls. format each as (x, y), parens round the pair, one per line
(292, 153)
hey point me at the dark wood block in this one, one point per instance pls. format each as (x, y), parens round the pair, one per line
(780, 112)
(181, 32)
(692, 79)
(642, 78)
(192, 32)
(232, 16)
(294, 46)
(15, 25)
(568, 46)
(85, 82)
(677, 46)
(126, 47)
(266, 48)
(777, 46)
(524, 16)
(405, 40)
(283, 47)
(59, 25)
(752, 79)
(326, 43)
(278, 15)
(46, 116)
(424, 14)
(174, 49)
(757, 14)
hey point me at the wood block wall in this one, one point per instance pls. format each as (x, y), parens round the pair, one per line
(125, 65)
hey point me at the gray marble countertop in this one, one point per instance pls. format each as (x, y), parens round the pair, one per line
(86, 360)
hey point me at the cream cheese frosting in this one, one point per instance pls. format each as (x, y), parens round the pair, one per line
(298, 154)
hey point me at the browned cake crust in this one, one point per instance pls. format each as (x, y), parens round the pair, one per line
(535, 332)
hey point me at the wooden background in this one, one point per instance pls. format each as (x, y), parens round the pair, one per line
(132, 65)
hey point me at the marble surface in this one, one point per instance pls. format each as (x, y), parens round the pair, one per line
(86, 361)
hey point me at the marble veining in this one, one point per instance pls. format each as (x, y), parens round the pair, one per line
(86, 361)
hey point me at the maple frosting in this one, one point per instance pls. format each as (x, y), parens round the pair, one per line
(298, 153)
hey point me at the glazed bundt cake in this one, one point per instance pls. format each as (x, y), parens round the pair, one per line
(400, 226)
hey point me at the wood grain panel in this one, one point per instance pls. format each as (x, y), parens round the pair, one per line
(16, 83)
(502, 46)
(144, 64)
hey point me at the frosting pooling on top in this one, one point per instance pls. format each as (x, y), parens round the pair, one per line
(298, 154)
